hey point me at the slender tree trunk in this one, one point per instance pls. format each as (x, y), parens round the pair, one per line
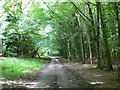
(69, 53)
(98, 36)
(116, 4)
(93, 31)
(76, 55)
(22, 47)
(1, 47)
(118, 20)
(72, 29)
(83, 45)
(81, 41)
(89, 46)
(106, 46)
(73, 50)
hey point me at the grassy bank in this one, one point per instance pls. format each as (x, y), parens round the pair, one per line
(14, 68)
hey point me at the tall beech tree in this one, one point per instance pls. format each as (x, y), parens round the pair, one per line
(106, 46)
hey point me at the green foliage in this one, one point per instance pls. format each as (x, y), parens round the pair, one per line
(45, 58)
(74, 32)
(14, 68)
(21, 35)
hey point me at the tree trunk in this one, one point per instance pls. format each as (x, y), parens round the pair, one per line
(93, 31)
(81, 41)
(69, 53)
(21, 45)
(118, 20)
(98, 36)
(106, 46)
(116, 4)
(89, 46)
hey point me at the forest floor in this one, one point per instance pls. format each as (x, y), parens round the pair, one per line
(66, 75)
(99, 78)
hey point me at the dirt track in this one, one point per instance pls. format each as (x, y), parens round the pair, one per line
(55, 75)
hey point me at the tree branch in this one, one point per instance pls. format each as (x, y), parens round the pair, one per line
(55, 13)
(80, 11)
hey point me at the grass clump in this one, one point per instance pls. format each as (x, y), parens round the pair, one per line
(14, 68)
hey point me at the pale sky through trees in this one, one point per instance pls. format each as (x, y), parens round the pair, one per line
(26, 6)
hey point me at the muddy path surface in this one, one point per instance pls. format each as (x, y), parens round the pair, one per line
(56, 75)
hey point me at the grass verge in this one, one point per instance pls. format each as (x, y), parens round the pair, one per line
(15, 68)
